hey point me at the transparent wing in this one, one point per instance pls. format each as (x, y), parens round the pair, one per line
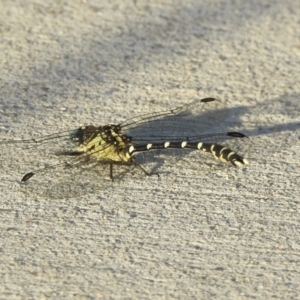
(200, 116)
(51, 143)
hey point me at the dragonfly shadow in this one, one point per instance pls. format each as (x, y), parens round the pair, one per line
(73, 182)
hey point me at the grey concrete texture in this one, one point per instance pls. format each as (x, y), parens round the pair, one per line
(197, 232)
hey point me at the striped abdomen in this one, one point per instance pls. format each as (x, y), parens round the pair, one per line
(220, 152)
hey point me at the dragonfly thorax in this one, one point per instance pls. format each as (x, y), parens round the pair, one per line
(103, 142)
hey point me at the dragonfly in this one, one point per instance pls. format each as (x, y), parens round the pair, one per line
(187, 128)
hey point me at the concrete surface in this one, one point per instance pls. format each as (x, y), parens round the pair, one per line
(195, 233)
